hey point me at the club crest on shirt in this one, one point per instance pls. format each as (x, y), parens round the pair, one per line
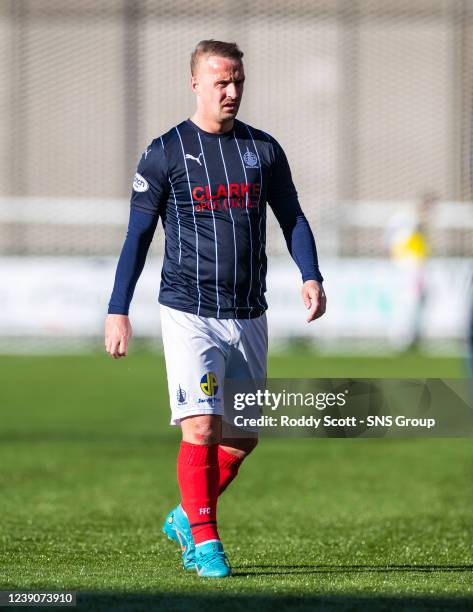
(250, 159)
(140, 184)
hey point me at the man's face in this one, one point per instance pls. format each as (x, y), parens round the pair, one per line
(218, 84)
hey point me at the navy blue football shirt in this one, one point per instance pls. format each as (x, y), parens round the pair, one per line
(211, 192)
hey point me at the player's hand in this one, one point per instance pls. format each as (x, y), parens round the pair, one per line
(314, 298)
(117, 334)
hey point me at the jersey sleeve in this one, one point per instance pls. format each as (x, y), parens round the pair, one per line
(141, 228)
(151, 182)
(283, 200)
(150, 190)
(282, 194)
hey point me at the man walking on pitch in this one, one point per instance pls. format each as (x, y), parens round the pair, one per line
(209, 179)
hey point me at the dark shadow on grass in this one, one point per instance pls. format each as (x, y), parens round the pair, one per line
(223, 602)
(259, 570)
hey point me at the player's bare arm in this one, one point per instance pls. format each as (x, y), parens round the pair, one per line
(314, 298)
(118, 332)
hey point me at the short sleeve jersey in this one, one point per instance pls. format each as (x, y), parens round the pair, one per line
(211, 192)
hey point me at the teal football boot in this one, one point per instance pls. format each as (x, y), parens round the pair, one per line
(176, 527)
(211, 560)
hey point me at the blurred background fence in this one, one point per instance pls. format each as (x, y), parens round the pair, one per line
(371, 101)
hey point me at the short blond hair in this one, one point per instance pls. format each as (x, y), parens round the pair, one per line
(214, 47)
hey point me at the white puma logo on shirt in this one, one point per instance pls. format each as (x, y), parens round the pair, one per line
(189, 156)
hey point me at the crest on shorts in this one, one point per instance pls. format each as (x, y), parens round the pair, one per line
(250, 159)
(181, 395)
(208, 384)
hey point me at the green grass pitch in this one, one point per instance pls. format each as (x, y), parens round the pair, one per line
(87, 474)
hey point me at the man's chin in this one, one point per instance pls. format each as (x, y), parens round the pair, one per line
(229, 113)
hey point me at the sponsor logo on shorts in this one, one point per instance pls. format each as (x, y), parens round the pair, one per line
(140, 184)
(181, 396)
(209, 400)
(208, 384)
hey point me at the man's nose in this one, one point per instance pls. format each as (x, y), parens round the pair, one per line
(231, 91)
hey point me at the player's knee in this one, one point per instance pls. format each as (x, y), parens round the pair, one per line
(240, 446)
(201, 429)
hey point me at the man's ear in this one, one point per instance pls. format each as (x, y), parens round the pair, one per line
(194, 83)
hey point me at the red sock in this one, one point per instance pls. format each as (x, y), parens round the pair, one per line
(229, 465)
(198, 478)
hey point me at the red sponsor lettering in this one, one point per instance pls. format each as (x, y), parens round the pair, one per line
(236, 195)
(233, 189)
(198, 196)
(221, 191)
(245, 188)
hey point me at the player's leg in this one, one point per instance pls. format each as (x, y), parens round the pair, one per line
(198, 477)
(248, 361)
(195, 366)
(198, 474)
(232, 451)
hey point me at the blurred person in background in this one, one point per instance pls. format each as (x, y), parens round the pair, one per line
(409, 246)
(209, 179)
(470, 335)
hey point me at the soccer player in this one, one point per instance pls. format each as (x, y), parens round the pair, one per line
(209, 179)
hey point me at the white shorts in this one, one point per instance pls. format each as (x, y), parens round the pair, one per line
(201, 352)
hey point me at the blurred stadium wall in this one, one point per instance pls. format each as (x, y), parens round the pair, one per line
(370, 99)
